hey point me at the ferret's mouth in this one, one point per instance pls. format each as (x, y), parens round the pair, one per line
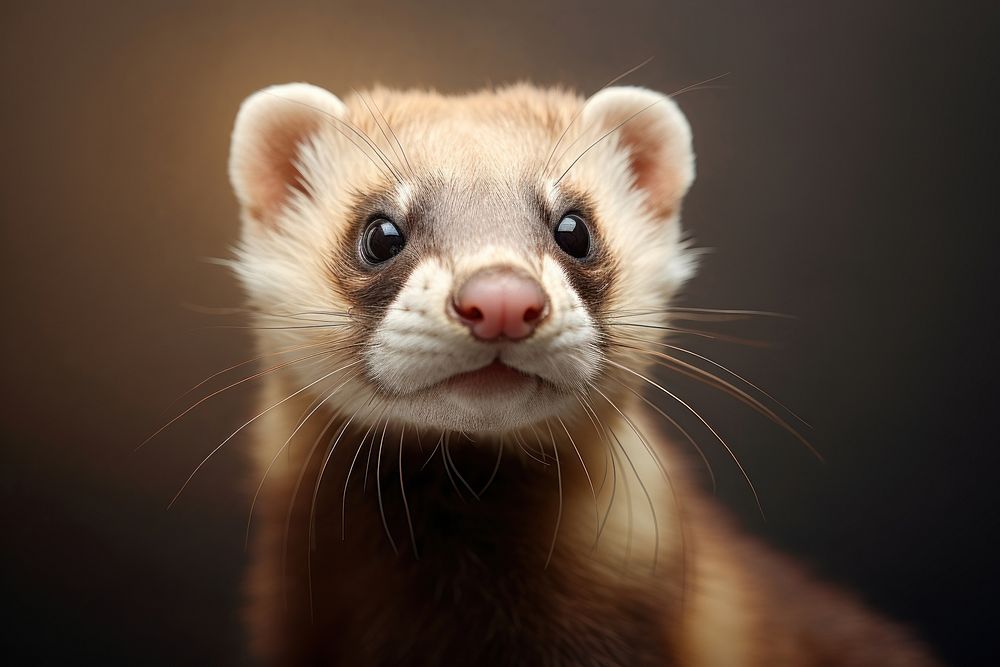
(496, 377)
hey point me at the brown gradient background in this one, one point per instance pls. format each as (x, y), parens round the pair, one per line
(841, 178)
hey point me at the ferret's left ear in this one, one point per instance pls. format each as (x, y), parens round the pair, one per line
(271, 128)
(657, 136)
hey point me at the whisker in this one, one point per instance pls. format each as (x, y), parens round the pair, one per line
(674, 422)
(635, 429)
(379, 125)
(301, 318)
(625, 314)
(311, 532)
(726, 370)
(694, 332)
(402, 491)
(555, 531)
(288, 522)
(522, 443)
(247, 423)
(586, 472)
(695, 86)
(317, 405)
(603, 434)
(290, 327)
(629, 512)
(368, 461)
(695, 315)
(597, 430)
(706, 424)
(496, 467)
(451, 461)
(434, 451)
(597, 511)
(381, 129)
(361, 135)
(678, 503)
(389, 127)
(235, 384)
(378, 151)
(256, 311)
(701, 375)
(538, 440)
(446, 461)
(296, 348)
(295, 493)
(378, 488)
(347, 481)
(635, 471)
(731, 311)
(600, 139)
(576, 116)
(689, 88)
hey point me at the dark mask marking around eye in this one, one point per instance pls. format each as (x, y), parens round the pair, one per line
(592, 275)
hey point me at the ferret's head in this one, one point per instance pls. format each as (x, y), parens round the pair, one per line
(461, 261)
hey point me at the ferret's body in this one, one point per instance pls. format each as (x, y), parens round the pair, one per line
(442, 493)
(480, 593)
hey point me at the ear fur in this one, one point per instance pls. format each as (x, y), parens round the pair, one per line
(657, 136)
(270, 129)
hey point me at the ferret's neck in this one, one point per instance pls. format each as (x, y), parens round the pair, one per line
(551, 490)
(409, 523)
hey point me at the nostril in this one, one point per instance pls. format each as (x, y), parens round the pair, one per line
(532, 314)
(470, 313)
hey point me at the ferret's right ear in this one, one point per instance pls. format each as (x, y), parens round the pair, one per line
(271, 128)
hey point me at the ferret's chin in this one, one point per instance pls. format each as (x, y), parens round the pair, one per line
(487, 400)
(496, 380)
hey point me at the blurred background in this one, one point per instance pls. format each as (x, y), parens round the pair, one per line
(843, 165)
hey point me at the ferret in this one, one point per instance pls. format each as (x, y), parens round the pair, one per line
(457, 301)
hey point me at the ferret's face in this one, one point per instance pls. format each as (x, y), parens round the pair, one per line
(458, 262)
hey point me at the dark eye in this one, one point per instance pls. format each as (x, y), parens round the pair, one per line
(573, 236)
(382, 241)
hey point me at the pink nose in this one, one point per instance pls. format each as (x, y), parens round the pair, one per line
(500, 302)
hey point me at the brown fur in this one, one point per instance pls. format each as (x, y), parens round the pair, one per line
(480, 592)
